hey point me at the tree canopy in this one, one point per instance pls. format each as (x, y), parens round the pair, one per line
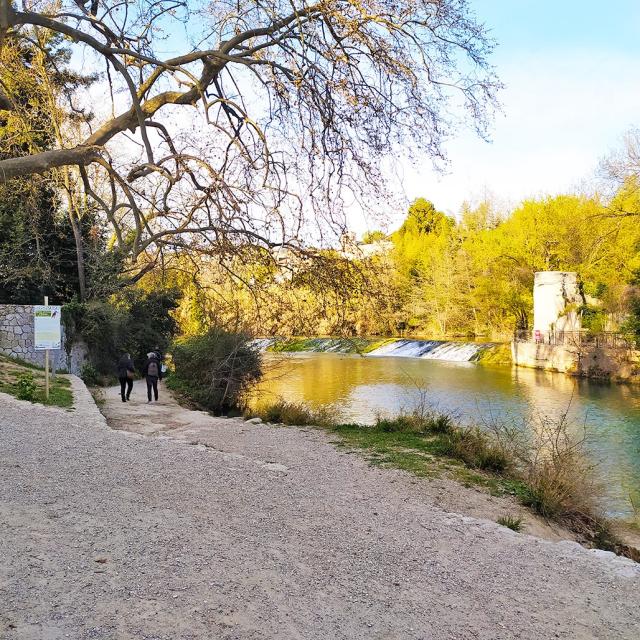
(238, 123)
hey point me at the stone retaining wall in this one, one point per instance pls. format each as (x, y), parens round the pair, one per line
(16, 340)
(580, 360)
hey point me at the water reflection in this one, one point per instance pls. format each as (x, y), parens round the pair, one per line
(363, 387)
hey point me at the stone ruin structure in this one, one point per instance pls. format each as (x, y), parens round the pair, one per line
(556, 301)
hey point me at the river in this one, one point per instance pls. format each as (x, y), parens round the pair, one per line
(361, 387)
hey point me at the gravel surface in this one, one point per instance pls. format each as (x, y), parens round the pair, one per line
(265, 532)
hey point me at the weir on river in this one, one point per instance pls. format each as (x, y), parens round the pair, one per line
(431, 350)
(451, 351)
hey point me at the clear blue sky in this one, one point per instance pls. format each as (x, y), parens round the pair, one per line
(536, 25)
(572, 75)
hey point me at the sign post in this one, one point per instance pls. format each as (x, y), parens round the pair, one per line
(46, 334)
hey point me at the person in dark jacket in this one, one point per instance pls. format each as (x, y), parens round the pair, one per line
(125, 375)
(152, 371)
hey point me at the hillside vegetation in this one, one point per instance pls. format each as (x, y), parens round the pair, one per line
(26, 381)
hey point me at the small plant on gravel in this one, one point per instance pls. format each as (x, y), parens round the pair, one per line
(26, 387)
(511, 522)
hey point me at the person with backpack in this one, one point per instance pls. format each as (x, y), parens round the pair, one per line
(153, 373)
(163, 366)
(125, 376)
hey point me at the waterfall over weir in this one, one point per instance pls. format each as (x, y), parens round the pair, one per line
(431, 350)
(399, 348)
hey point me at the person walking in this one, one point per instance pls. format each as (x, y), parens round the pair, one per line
(153, 373)
(125, 376)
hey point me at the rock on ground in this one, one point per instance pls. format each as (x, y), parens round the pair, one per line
(265, 532)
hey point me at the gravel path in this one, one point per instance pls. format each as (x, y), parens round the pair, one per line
(262, 533)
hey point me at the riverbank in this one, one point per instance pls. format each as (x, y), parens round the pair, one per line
(364, 388)
(478, 473)
(549, 475)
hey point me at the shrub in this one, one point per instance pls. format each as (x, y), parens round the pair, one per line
(216, 369)
(477, 449)
(418, 422)
(90, 375)
(26, 387)
(404, 423)
(511, 522)
(100, 325)
(297, 413)
(441, 423)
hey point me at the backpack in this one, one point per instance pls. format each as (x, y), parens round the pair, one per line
(152, 369)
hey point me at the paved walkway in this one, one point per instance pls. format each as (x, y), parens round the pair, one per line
(255, 532)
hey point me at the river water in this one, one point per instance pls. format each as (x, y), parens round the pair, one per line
(362, 387)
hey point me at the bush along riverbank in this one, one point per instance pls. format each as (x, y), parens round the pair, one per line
(547, 474)
(214, 370)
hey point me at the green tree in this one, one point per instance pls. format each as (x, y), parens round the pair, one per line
(36, 234)
(423, 218)
(373, 236)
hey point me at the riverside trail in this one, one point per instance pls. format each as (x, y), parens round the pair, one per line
(173, 524)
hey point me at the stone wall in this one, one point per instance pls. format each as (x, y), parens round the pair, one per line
(16, 340)
(580, 360)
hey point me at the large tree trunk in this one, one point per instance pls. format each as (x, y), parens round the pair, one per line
(74, 219)
(79, 240)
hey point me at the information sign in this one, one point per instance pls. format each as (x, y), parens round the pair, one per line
(46, 327)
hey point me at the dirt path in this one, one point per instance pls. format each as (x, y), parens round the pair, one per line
(262, 532)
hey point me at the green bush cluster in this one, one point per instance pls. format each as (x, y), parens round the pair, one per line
(26, 387)
(419, 423)
(90, 375)
(471, 445)
(632, 325)
(296, 413)
(215, 369)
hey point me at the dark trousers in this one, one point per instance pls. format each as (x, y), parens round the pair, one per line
(128, 384)
(152, 383)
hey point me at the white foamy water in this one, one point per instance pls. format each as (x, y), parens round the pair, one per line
(430, 350)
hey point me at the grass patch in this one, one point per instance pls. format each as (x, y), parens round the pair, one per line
(26, 381)
(511, 522)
